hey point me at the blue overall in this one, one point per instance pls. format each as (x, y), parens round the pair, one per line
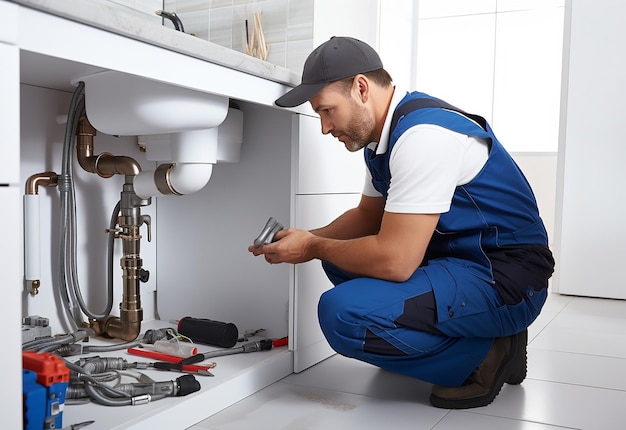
(484, 275)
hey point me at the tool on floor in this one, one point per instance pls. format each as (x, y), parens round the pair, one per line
(209, 332)
(261, 345)
(91, 372)
(283, 341)
(173, 367)
(167, 359)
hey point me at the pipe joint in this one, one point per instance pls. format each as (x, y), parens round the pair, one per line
(105, 164)
(47, 179)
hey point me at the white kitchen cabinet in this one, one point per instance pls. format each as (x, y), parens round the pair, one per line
(10, 201)
(10, 296)
(590, 228)
(329, 181)
(325, 166)
(198, 256)
(312, 211)
(9, 114)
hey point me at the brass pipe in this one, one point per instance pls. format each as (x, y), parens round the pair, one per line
(104, 164)
(128, 325)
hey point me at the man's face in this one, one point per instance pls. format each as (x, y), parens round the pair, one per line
(344, 116)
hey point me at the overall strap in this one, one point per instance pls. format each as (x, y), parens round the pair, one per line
(424, 102)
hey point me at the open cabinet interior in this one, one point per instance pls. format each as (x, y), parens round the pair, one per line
(197, 256)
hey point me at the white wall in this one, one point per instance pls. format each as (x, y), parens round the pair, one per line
(482, 57)
(540, 169)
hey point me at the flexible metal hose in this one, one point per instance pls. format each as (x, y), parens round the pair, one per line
(69, 287)
(87, 371)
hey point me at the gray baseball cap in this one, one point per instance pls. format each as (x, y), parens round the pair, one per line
(333, 60)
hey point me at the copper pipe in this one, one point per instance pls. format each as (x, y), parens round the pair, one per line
(47, 179)
(103, 164)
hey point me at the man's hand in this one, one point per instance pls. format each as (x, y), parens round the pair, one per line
(364, 240)
(290, 246)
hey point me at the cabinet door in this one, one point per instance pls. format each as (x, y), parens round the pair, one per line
(11, 251)
(10, 297)
(313, 211)
(9, 114)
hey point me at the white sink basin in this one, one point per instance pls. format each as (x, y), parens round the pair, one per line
(127, 105)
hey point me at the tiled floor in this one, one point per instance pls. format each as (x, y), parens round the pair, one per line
(576, 380)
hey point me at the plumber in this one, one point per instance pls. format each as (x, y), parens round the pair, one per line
(444, 263)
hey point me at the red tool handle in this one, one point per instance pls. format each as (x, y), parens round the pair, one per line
(283, 341)
(166, 357)
(154, 354)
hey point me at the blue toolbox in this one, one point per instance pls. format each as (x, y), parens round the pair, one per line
(34, 397)
(45, 383)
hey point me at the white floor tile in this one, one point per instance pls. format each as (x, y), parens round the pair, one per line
(339, 373)
(556, 404)
(587, 326)
(577, 369)
(576, 380)
(285, 406)
(556, 302)
(554, 305)
(471, 421)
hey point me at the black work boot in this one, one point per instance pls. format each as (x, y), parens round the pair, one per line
(505, 362)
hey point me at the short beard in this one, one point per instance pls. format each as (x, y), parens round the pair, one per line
(360, 130)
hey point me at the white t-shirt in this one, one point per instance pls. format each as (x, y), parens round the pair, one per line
(427, 163)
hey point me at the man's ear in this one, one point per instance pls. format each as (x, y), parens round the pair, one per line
(361, 87)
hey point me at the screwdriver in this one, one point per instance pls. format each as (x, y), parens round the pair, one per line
(170, 362)
(261, 345)
(183, 368)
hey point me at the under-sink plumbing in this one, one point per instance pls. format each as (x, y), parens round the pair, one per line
(185, 131)
(128, 325)
(126, 222)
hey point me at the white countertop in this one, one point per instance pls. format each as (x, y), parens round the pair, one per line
(120, 22)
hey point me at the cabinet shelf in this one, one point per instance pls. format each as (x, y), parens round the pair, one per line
(236, 377)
